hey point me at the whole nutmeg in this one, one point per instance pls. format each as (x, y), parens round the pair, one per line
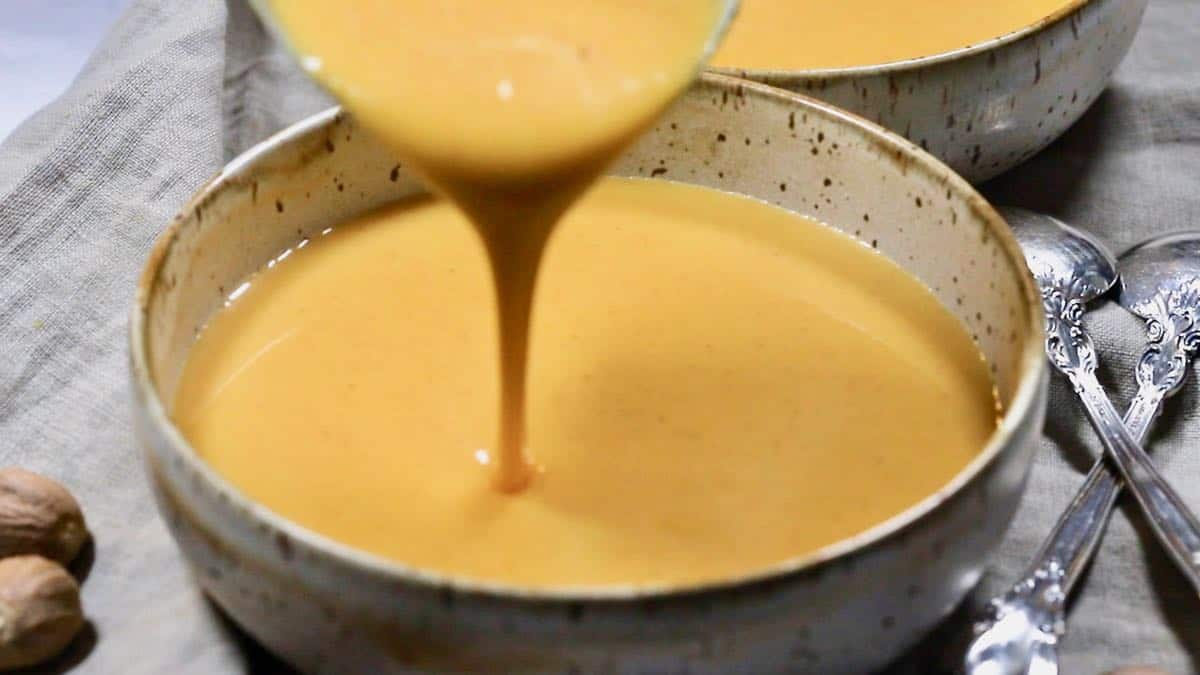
(39, 610)
(38, 516)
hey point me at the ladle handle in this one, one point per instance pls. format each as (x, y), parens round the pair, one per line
(1173, 523)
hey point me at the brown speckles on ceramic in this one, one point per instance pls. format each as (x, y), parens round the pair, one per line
(850, 607)
(986, 108)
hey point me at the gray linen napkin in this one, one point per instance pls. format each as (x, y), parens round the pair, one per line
(177, 88)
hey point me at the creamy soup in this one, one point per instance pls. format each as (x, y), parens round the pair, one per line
(510, 109)
(715, 385)
(803, 34)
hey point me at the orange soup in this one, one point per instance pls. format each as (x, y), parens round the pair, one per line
(715, 385)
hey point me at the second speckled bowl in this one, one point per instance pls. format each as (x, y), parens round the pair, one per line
(985, 108)
(849, 607)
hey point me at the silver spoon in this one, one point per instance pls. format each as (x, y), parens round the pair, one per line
(1161, 284)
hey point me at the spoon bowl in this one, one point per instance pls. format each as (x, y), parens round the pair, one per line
(1160, 270)
(1059, 254)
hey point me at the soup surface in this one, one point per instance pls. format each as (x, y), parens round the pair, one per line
(510, 108)
(715, 385)
(804, 34)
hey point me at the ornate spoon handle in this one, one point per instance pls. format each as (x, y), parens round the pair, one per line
(1173, 523)
(1020, 634)
(1071, 350)
(1075, 537)
(1034, 606)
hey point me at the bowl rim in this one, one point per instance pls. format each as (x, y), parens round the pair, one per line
(1064, 13)
(1032, 369)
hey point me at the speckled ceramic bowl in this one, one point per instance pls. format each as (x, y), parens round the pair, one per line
(850, 607)
(985, 108)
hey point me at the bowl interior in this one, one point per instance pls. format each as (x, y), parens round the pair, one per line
(723, 133)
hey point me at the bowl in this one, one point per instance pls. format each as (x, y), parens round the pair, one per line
(849, 607)
(985, 108)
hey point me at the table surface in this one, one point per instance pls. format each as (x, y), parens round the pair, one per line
(42, 47)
